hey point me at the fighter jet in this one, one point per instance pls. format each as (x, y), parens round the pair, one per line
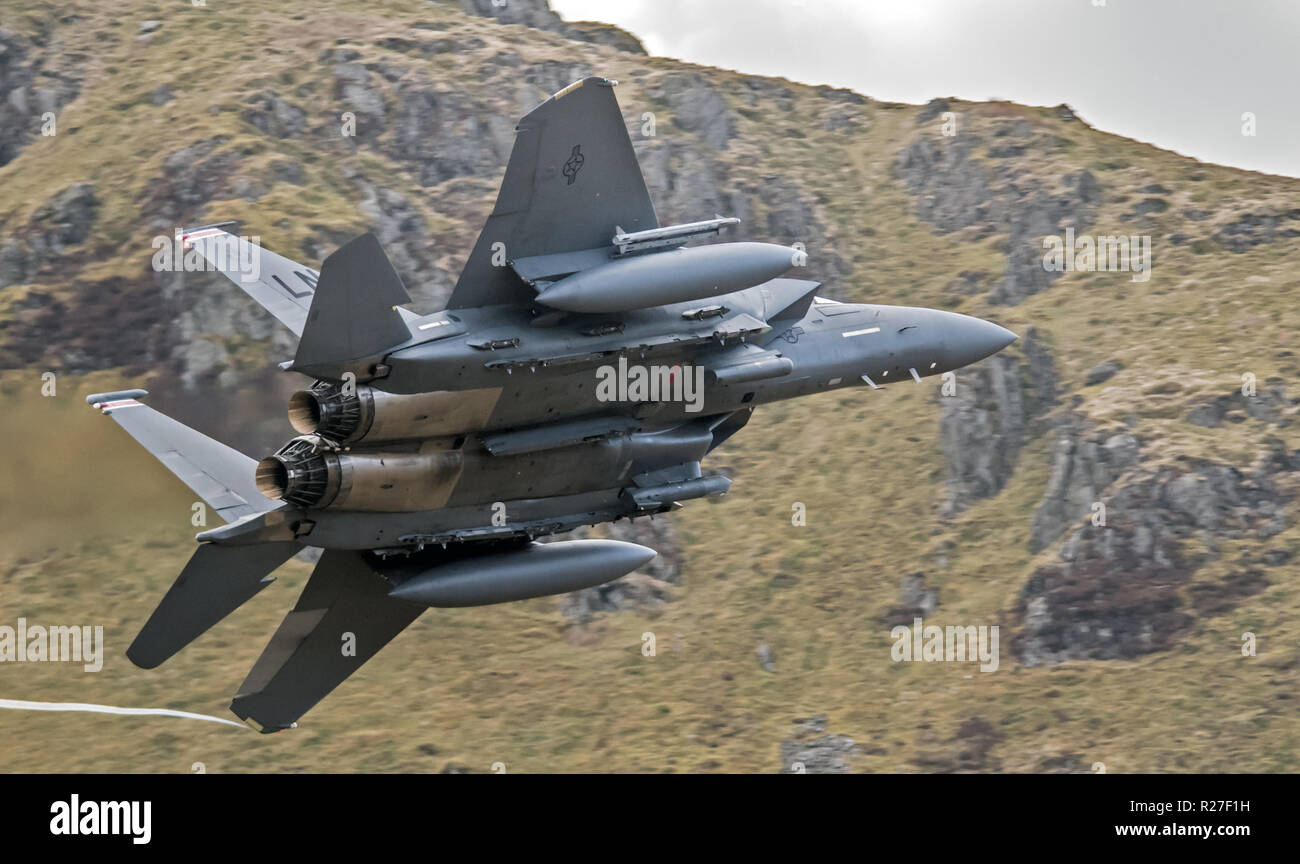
(586, 363)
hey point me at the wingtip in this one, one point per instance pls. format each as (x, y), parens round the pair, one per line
(237, 708)
(228, 226)
(114, 396)
(138, 658)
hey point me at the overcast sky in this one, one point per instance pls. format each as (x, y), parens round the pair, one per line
(1177, 73)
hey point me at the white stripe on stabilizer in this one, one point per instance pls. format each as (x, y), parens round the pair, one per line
(106, 407)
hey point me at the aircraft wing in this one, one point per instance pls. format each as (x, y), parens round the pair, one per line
(345, 602)
(284, 287)
(572, 180)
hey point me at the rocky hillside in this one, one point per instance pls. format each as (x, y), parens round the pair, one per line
(1116, 492)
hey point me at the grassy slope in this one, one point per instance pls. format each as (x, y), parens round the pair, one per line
(104, 530)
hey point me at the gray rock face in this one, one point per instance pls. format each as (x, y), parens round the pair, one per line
(952, 191)
(697, 107)
(529, 13)
(1083, 465)
(35, 79)
(1144, 208)
(916, 599)
(287, 171)
(600, 33)
(1101, 372)
(1033, 215)
(440, 133)
(811, 751)
(86, 335)
(984, 425)
(191, 177)
(405, 238)
(354, 90)
(1270, 404)
(16, 263)
(687, 182)
(915, 593)
(1251, 229)
(791, 218)
(955, 192)
(1024, 275)
(62, 222)
(538, 15)
(1115, 594)
(933, 109)
(275, 116)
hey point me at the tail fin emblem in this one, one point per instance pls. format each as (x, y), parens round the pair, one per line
(574, 165)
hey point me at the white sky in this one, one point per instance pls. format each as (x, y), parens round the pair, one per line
(1175, 73)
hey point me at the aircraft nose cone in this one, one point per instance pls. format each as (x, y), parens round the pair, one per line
(972, 339)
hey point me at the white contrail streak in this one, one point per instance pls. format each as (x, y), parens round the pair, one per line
(21, 705)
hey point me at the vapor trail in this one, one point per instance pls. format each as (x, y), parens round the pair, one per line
(22, 705)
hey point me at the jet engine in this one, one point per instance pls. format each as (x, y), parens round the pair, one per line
(307, 473)
(362, 412)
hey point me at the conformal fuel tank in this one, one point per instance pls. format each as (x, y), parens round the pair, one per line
(660, 278)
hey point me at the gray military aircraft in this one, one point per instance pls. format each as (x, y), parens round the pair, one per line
(586, 363)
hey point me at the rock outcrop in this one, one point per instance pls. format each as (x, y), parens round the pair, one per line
(1083, 465)
(538, 15)
(1269, 404)
(37, 79)
(811, 750)
(1117, 592)
(59, 224)
(954, 191)
(983, 426)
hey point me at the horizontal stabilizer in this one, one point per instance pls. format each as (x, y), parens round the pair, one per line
(345, 604)
(216, 581)
(220, 475)
(354, 317)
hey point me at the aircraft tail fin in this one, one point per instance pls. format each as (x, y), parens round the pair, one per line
(216, 581)
(572, 180)
(354, 319)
